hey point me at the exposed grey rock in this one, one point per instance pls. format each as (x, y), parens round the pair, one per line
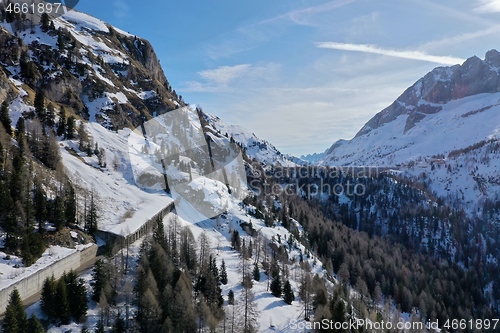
(441, 85)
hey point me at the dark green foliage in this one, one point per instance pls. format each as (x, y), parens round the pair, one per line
(70, 128)
(235, 240)
(39, 105)
(256, 272)
(21, 134)
(40, 204)
(63, 311)
(164, 293)
(45, 22)
(276, 286)
(15, 320)
(28, 68)
(288, 295)
(5, 118)
(223, 273)
(64, 299)
(77, 296)
(99, 278)
(49, 298)
(26, 253)
(60, 40)
(61, 125)
(50, 115)
(70, 204)
(58, 213)
(45, 148)
(230, 297)
(34, 325)
(92, 216)
(159, 233)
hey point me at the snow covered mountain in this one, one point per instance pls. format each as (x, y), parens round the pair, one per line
(112, 85)
(445, 127)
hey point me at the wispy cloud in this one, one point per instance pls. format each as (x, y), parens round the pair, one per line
(224, 74)
(225, 78)
(251, 35)
(414, 55)
(298, 16)
(488, 6)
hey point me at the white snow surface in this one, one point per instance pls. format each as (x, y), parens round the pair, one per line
(255, 147)
(124, 207)
(12, 269)
(425, 148)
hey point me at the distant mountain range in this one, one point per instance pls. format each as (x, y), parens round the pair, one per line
(446, 126)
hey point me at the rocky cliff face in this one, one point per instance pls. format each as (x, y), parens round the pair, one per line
(92, 69)
(442, 131)
(440, 86)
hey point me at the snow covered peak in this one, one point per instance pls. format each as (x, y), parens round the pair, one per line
(84, 21)
(255, 148)
(443, 84)
(449, 118)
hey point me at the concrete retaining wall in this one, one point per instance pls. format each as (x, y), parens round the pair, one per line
(32, 284)
(117, 242)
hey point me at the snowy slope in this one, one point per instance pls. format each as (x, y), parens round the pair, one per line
(123, 206)
(255, 147)
(446, 126)
(456, 126)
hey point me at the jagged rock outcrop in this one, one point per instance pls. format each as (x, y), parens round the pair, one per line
(92, 69)
(441, 85)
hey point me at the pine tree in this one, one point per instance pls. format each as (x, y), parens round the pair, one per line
(230, 297)
(58, 215)
(288, 295)
(15, 320)
(276, 286)
(39, 105)
(48, 299)
(40, 204)
(70, 204)
(223, 273)
(70, 128)
(28, 259)
(99, 277)
(91, 218)
(45, 22)
(235, 240)
(77, 296)
(256, 272)
(60, 40)
(50, 115)
(21, 134)
(34, 325)
(63, 310)
(5, 118)
(61, 125)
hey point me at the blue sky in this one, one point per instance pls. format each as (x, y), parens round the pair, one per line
(303, 74)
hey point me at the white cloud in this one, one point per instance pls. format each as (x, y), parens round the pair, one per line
(251, 35)
(228, 78)
(301, 16)
(488, 6)
(224, 74)
(414, 55)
